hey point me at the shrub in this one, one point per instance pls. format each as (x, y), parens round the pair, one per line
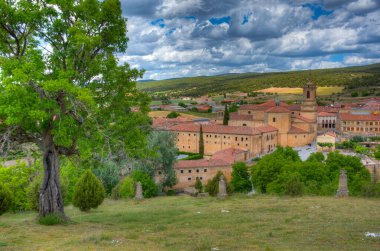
(198, 185)
(294, 187)
(212, 186)
(50, 219)
(127, 188)
(108, 173)
(240, 177)
(371, 189)
(170, 192)
(354, 94)
(89, 192)
(6, 199)
(147, 183)
(33, 192)
(115, 195)
(173, 115)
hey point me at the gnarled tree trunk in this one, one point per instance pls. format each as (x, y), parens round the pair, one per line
(50, 200)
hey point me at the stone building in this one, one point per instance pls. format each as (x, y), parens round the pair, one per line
(363, 124)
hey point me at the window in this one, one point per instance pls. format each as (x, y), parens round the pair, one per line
(308, 94)
(274, 119)
(244, 124)
(242, 138)
(216, 136)
(189, 170)
(189, 178)
(249, 112)
(205, 170)
(181, 171)
(235, 138)
(201, 178)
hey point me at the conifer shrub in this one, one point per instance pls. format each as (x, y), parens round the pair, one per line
(6, 199)
(198, 185)
(89, 192)
(127, 188)
(212, 186)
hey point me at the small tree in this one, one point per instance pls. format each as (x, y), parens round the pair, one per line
(201, 142)
(173, 115)
(240, 177)
(127, 188)
(198, 185)
(6, 199)
(182, 104)
(148, 186)
(226, 117)
(89, 192)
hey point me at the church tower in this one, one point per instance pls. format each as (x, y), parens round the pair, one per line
(309, 104)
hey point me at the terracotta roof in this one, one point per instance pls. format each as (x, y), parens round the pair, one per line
(183, 164)
(294, 129)
(272, 103)
(326, 114)
(328, 109)
(245, 130)
(333, 134)
(359, 117)
(266, 128)
(303, 118)
(278, 109)
(252, 107)
(228, 155)
(236, 116)
(294, 107)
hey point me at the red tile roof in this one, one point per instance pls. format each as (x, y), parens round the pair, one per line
(294, 129)
(272, 103)
(266, 128)
(359, 117)
(278, 109)
(245, 130)
(333, 134)
(303, 118)
(228, 155)
(328, 109)
(294, 107)
(236, 116)
(253, 107)
(183, 164)
(326, 114)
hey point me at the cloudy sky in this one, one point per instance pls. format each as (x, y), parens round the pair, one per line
(179, 38)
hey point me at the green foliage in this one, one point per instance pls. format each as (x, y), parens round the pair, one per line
(182, 104)
(198, 185)
(127, 188)
(212, 186)
(89, 192)
(194, 157)
(354, 94)
(226, 116)
(17, 179)
(294, 186)
(173, 115)
(371, 189)
(170, 192)
(50, 220)
(33, 192)
(318, 156)
(147, 183)
(361, 149)
(377, 153)
(108, 173)
(201, 142)
(6, 199)
(240, 177)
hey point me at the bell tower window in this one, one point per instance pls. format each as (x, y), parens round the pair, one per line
(308, 94)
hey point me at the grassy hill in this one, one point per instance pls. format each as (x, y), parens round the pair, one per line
(254, 81)
(187, 223)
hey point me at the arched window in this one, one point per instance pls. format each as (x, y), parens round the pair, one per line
(323, 123)
(308, 94)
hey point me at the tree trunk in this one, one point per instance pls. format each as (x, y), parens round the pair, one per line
(50, 200)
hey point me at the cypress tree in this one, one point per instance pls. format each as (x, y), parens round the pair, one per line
(201, 143)
(226, 115)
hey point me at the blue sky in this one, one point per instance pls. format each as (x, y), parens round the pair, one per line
(181, 38)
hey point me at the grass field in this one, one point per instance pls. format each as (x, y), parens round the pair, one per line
(187, 223)
(321, 91)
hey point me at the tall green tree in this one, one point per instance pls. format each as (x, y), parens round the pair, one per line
(226, 116)
(62, 87)
(201, 142)
(240, 177)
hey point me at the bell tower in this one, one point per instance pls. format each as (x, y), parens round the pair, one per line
(309, 104)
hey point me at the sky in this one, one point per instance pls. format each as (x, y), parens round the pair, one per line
(184, 38)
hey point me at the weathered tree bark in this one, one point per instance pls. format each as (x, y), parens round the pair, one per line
(50, 200)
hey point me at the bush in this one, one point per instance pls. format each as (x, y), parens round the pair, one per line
(147, 183)
(173, 115)
(354, 94)
(371, 189)
(212, 186)
(294, 187)
(108, 173)
(50, 219)
(127, 188)
(33, 192)
(198, 185)
(89, 192)
(194, 157)
(6, 199)
(170, 192)
(240, 177)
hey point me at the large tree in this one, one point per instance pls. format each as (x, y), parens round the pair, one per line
(62, 87)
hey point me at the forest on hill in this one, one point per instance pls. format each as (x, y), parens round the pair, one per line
(247, 82)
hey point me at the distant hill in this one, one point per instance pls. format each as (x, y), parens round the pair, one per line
(247, 82)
